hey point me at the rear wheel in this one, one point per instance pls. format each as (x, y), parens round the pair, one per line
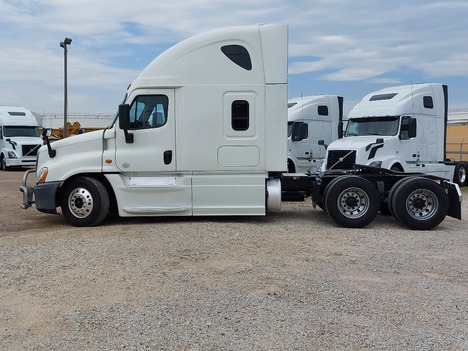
(352, 201)
(85, 202)
(460, 174)
(391, 194)
(325, 192)
(420, 203)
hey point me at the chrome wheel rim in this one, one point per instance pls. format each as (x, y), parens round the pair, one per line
(422, 204)
(353, 202)
(80, 202)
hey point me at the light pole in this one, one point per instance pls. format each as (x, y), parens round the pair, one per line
(64, 44)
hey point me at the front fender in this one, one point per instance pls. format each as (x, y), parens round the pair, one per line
(45, 196)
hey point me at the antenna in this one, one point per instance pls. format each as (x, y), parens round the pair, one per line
(302, 105)
(412, 99)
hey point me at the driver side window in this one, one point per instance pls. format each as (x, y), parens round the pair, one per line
(148, 111)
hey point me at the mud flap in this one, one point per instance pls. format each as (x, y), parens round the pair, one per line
(455, 199)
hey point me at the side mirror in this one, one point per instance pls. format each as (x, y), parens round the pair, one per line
(321, 142)
(46, 132)
(124, 116)
(124, 122)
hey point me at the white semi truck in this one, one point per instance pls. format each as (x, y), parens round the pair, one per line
(19, 137)
(399, 128)
(202, 133)
(310, 119)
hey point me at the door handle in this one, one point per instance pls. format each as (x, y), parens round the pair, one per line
(167, 157)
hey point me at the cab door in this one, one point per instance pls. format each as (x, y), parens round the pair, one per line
(409, 148)
(300, 143)
(153, 129)
(149, 184)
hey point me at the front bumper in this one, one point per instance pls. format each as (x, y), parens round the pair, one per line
(43, 195)
(18, 162)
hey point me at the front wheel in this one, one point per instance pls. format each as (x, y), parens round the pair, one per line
(3, 165)
(85, 202)
(420, 203)
(352, 201)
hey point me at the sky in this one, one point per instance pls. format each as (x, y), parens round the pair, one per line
(340, 47)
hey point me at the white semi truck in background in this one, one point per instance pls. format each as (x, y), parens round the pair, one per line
(399, 128)
(310, 119)
(457, 145)
(202, 132)
(19, 137)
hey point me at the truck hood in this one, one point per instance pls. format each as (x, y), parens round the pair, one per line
(76, 154)
(77, 139)
(355, 143)
(25, 140)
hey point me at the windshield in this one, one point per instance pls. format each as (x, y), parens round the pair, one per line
(373, 126)
(20, 131)
(290, 128)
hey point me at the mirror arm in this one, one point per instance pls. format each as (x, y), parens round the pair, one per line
(52, 153)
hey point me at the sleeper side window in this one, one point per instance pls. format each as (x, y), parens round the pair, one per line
(428, 102)
(239, 55)
(240, 115)
(322, 110)
(149, 111)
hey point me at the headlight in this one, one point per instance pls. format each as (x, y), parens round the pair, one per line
(376, 164)
(12, 154)
(41, 175)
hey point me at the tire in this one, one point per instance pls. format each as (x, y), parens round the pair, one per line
(3, 165)
(85, 202)
(352, 201)
(325, 192)
(391, 194)
(420, 203)
(459, 176)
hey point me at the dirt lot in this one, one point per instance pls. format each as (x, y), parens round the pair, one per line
(288, 281)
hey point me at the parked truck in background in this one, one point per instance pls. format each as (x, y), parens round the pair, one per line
(202, 132)
(19, 137)
(310, 119)
(399, 128)
(457, 145)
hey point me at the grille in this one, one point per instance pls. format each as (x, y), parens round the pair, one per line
(341, 159)
(30, 150)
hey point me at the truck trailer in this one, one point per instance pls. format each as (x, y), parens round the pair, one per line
(202, 132)
(19, 137)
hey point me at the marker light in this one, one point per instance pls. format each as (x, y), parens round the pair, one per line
(42, 175)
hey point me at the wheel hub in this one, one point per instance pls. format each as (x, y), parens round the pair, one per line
(422, 204)
(80, 202)
(419, 203)
(353, 202)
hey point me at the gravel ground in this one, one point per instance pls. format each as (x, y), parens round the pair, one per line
(288, 281)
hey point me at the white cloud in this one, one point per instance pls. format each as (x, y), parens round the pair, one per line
(337, 41)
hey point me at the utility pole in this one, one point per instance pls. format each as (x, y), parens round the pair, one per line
(64, 44)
